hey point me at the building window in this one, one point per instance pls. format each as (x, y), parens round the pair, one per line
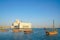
(16, 27)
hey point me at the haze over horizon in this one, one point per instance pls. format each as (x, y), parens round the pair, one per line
(39, 12)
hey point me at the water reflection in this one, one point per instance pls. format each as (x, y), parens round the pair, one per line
(27, 37)
(49, 37)
(18, 36)
(21, 36)
(37, 34)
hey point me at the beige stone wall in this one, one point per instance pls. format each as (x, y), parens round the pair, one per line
(25, 25)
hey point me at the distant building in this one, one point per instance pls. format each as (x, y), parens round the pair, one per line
(20, 25)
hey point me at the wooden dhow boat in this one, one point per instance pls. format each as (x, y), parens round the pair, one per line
(51, 33)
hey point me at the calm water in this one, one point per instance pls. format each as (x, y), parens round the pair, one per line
(37, 34)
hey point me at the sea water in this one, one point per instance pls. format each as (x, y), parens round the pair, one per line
(36, 34)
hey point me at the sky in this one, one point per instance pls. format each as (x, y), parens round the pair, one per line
(39, 12)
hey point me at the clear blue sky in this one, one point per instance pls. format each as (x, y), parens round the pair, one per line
(38, 12)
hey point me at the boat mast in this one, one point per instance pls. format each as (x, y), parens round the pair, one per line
(53, 25)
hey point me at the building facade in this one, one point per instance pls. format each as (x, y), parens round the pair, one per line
(20, 25)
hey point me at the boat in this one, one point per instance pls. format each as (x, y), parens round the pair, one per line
(51, 33)
(16, 30)
(27, 31)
